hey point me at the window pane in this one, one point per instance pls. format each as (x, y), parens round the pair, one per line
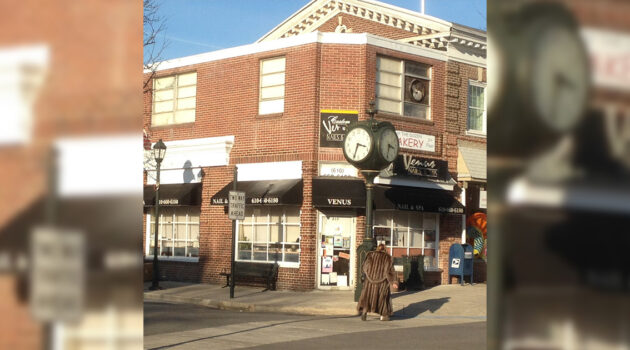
(245, 232)
(417, 110)
(167, 248)
(292, 234)
(292, 215)
(416, 238)
(244, 251)
(430, 262)
(272, 79)
(400, 219)
(275, 252)
(186, 103)
(260, 233)
(272, 92)
(391, 79)
(163, 95)
(415, 220)
(475, 119)
(292, 253)
(273, 65)
(166, 231)
(382, 218)
(261, 216)
(275, 234)
(383, 234)
(429, 222)
(162, 119)
(193, 217)
(416, 69)
(400, 238)
(272, 106)
(275, 215)
(187, 79)
(389, 92)
(163, 83)
(180, 231)
(388, 64)
(194, 232)
(388, 106)
(166, 106)
(260, 252)
(187, 116)
(180, 249)
(429, 239)
(188, 91)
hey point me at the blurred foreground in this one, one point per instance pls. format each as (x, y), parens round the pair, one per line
(70, 214)
(559, 174)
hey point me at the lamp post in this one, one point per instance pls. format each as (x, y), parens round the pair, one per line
(159, 150)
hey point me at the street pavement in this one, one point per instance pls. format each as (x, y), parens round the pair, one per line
(200, 316)
(184, 326)
(444, 301)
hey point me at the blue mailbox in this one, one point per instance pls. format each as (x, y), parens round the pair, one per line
(460, 259)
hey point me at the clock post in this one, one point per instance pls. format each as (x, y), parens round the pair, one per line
(370, 146)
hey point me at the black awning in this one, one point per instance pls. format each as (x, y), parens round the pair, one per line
(416, 199)
(174, 194)
(338, 193)
(270, 192)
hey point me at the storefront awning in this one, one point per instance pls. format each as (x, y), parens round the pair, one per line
(471, 161)
(416, 199)
(338, 193)
(174, 195)
(270, 192)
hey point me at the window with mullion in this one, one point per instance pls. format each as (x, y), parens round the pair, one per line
(174, 99)
(403, 87)
(476, 121)
(269, 234)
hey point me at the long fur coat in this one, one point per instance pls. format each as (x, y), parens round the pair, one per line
(379, 273)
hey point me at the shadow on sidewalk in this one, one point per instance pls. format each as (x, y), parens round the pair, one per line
(415, 309)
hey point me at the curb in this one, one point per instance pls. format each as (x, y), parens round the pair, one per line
(248, 307)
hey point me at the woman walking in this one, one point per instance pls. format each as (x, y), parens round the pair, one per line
(379, 273)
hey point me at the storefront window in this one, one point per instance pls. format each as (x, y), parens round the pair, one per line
(408, 233)
(179, 232)
(269, 234)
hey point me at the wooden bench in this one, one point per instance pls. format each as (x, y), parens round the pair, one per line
(252, 271)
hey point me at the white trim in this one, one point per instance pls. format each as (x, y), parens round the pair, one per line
(148, 235)
(270, 171)
(303, 39)
(412, 183)
(463, 201)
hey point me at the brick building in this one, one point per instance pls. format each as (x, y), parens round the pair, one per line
(277, 110)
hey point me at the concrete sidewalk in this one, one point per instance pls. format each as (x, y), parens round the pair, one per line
(446, 301)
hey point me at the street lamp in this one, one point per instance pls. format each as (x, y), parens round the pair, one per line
(159, 150)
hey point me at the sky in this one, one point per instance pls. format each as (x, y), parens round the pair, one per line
(197, 26)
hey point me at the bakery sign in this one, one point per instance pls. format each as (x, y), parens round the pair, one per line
(416, 142)
(333, 126)
(410, 165)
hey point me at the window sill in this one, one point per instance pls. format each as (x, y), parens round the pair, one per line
(404, 118)
(170, 126)
(149, 258)
(475, 133)
(270, 115)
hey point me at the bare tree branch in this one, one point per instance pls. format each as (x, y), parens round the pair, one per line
(154, 25)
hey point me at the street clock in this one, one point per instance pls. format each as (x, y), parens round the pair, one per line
(370, 144)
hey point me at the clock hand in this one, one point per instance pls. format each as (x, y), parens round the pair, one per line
(355, 151)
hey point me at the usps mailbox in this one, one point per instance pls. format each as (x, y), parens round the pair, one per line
(460, 257)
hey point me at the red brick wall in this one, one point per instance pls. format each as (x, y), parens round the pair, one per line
(318, 76)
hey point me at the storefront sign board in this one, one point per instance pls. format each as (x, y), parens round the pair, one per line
(410, 165)
(333, 126)
(415, 141)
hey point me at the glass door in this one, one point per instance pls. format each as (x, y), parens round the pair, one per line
(335, 252)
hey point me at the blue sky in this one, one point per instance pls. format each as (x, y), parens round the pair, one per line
(197, 26)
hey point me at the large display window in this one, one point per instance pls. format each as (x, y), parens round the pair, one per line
(409, 233)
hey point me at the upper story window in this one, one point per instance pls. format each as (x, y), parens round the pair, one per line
(271, 86)
(476, 122)
(403, 87)
(174, 99)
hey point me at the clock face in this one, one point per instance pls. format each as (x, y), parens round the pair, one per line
(560, 77)
(417, 91)
(389, 145)
(358, 144)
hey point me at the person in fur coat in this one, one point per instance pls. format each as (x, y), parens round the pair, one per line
(379, 273)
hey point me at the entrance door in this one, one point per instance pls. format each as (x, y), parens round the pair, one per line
(336, 251)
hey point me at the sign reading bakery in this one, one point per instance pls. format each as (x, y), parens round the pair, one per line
(410, 165)
(333, 126)
(416, 142)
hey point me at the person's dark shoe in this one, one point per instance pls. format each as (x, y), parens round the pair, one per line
(364, 316)
(385, 318)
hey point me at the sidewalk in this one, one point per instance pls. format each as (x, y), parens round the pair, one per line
(446, 301)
